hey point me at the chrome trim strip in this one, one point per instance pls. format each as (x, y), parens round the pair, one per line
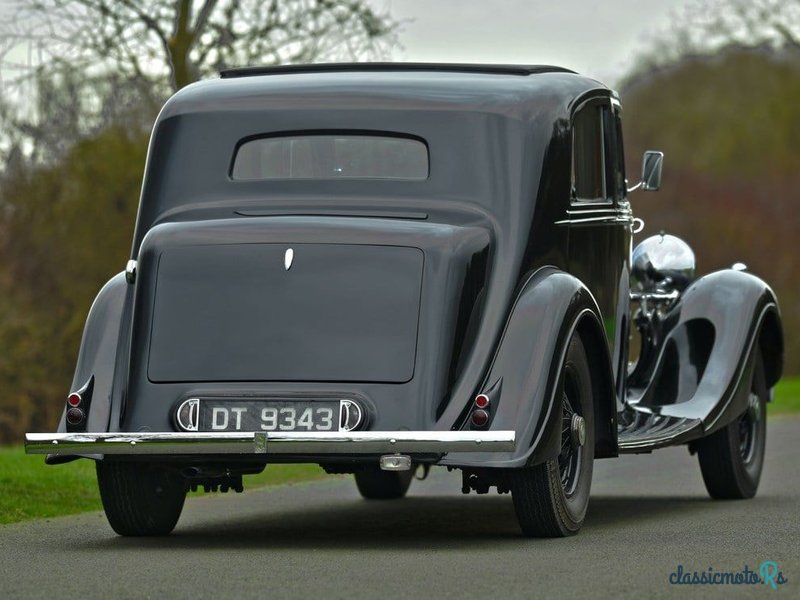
(655, 296)
(273, 442)
(582, 211)
(576, 204)
(611, 219)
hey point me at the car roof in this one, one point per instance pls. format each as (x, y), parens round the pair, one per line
(505, 118)
(515, 91)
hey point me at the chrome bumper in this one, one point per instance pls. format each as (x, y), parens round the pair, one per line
(278, 442)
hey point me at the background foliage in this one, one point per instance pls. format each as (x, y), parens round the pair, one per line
(66, 229)
(75, 128)
(729, 125)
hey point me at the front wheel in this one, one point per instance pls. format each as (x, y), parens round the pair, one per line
(732, 458)
(550, 499)
(140, 499)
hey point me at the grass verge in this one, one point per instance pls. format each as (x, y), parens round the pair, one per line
(30, 489)
(787, 397)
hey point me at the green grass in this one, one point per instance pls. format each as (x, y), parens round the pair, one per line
(30, 489)
(787, 397)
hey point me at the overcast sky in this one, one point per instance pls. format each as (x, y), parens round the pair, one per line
(595, 38)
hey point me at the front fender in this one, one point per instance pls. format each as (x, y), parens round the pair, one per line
(98, 352)
(524, 375)
(712, 335)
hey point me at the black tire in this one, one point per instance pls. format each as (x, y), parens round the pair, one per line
(140, 499)
(375, 484)
(732, 458)
(551, 499)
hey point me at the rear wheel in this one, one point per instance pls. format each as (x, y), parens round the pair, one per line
(376, 484)
(732, 458)
(550, 499)
(140, 499)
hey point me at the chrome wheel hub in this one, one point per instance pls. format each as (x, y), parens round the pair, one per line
(578, 431)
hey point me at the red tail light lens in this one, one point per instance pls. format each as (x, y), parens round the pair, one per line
(74, 399)
(480, 418)
(75, 416)
(482, 401)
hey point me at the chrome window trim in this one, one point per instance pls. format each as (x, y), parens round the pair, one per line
(574, 201)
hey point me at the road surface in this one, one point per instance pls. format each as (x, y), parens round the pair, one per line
(648, 514)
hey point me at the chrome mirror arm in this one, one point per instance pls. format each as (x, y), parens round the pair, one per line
(652, 162)
(635, 187)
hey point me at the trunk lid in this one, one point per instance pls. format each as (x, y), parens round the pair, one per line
(235, 312)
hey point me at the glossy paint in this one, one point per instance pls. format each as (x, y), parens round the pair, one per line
(499, 147)
(511, 266)
(98, 351)
(551, 307)
(702, 371)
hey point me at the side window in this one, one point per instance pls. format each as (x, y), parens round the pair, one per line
(588, 155)
(612, 125)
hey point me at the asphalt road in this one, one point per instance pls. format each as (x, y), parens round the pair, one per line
(648, 514)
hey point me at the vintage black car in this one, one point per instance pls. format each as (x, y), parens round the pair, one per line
(383, 267)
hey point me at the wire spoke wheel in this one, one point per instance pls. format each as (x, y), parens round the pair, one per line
(731, 459)
(570, 457)
(748, 430)
(550, 498)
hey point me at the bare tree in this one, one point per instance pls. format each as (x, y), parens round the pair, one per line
(705, 26)
(744, 22)
(72, 67)
(181, 40)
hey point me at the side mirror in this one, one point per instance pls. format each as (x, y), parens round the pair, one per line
(652, 162)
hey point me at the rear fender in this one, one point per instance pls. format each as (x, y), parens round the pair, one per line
(98, 353)
(525, 374)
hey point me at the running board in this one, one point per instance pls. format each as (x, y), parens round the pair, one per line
(648, 432)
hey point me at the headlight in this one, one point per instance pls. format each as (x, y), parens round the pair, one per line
(662, 263)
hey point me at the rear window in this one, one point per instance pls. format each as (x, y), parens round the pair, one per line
(331, 157)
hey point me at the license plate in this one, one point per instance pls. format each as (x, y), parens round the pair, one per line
(278, 415)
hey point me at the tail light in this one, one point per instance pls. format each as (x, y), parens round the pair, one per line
(480, 417)
(77, 409)
(75, 416)
(482, 401)
(484, 406)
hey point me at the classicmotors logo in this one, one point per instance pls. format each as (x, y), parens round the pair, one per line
(768, 574)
